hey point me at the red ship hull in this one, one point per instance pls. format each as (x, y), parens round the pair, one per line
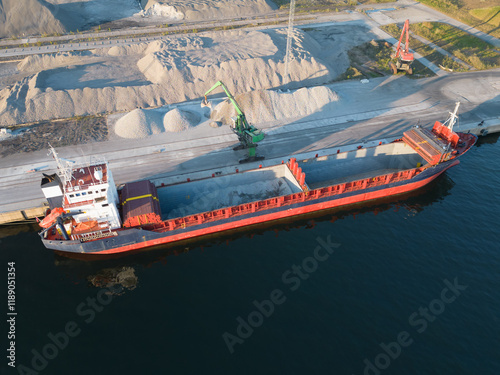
(364, 197)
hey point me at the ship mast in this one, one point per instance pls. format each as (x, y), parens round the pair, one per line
(450, 122)
(64, 166)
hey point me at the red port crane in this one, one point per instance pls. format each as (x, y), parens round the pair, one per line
(402, 58)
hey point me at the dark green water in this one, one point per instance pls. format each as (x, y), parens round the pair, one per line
(382, 280)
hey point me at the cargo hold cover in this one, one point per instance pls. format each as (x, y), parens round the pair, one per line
(427, 144)
(140, 205)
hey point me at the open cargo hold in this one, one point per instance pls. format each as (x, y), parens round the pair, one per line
(218, 192)
(359, 164)
(139, 201)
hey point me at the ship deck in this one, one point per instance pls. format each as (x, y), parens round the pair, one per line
(225, 191)
(360, 164)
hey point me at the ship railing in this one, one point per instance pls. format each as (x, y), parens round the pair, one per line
(247, 208)
(102, 233)
(77, 204)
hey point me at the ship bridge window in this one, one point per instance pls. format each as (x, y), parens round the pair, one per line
(72, 195)
(105, 205)
(103, 189)
(90, 192)
(77, 194)
(84, 193)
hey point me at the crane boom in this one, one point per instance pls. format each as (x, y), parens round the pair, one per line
(402, 58)
(231, 98)
(404, 52)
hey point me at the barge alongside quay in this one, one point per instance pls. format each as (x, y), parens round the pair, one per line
(90, 216)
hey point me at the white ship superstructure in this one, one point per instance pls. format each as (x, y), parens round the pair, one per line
(87, 194)
(90, 195)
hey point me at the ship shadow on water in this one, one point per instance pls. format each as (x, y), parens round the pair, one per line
(102, 270)
(489, 139)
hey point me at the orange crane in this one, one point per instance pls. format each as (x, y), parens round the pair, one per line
(402, 58)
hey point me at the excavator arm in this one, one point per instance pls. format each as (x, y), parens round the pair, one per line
(404, 53)
(230, 97)
(247, 134)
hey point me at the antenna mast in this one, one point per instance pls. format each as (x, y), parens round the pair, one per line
(288, 52)
(453, 117)
(64, 166)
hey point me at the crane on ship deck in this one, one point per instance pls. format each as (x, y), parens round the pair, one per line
(248, 135)
(402, 58)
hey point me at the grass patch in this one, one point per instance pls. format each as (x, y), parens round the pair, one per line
(371, 60)
(423, 49)
(375, 1)
(488, 15)
(466, 47)
(313, 4)
(463, 10)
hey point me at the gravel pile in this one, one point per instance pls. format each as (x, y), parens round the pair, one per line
(265, 105)
(178, 69)
(178, 120)
(199, 10)
(139, 124)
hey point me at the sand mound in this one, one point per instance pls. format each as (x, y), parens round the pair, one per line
(36, 63)
(243, 60)
(178, 120)
(127, 50)
(179, 69)
(264, 105)
(139, 124)
(28, 17)
(208, 9)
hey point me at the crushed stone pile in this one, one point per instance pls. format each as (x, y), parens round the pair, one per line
(178, 120)
(177, 69)
(36, 63)
(28, 17)
(243, 60)
(265, 105)
(139, 124)
(127, 50)
(207, 9)
(232, 196)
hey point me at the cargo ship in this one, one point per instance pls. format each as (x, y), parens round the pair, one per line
(88, 214)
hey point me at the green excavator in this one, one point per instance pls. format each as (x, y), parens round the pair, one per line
(248, 135)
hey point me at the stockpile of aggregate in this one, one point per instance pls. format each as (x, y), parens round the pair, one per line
(268, 105)
(173, 70)
(208, 9)
(141, 123)
(178, 120)
(28, 17)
